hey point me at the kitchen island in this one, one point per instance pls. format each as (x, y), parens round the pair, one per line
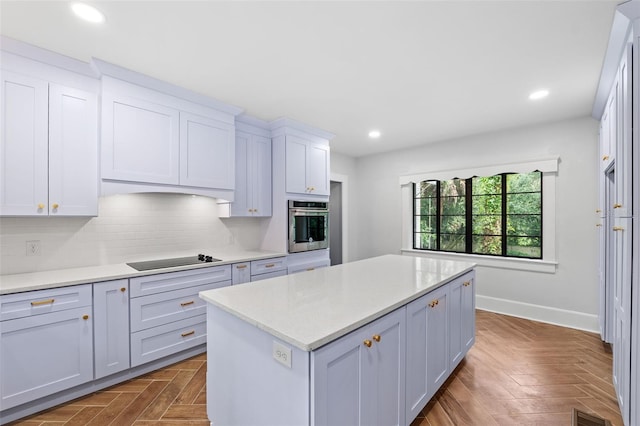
(367, 342)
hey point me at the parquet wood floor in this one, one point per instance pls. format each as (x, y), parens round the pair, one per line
(519, 372)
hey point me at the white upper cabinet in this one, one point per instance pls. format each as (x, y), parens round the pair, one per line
(140, 140)
(307, 166)
(48, 151)
(157, 137)
(206, 152)
(253, 172)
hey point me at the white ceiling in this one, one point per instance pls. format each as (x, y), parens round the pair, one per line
(419, 71)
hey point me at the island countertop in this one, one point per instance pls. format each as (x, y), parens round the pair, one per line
(311, 309)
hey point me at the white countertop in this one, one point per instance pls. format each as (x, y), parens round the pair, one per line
(16, 283)
(310, 309)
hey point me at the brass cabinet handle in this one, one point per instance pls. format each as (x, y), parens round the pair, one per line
(433, 303)
(40, 206)
(376, 337)
(191, 302)
(617, 206)
(85, 317)
(598, 224)
(618, 228)
(466, 283)
(123, 289)
(241, 266)
(188, 333)
(269, 265)
(598, 211)
(605, 157)
(55, 205)
(311, 269)
(43, 302)
(367, 343)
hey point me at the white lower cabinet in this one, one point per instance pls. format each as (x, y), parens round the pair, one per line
(440, 332)
(258, 270)
(45, 350)
(167, 316)
(360, 378)
(111, 327)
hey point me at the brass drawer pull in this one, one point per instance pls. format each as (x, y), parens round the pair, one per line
(598, 224)
(367, 343)
(311, 269)
(466, 283)
(433, 303)
(241, 266)
(269, 265)
(43, 302)
(617, 206)
(605, 157)
(123, 289)
(618, 228)
(188, 333)
(187, 303)
(85, 317)
(376, 337)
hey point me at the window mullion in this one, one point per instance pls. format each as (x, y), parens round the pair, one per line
(504, 214)
(438, 212)
(468, 206)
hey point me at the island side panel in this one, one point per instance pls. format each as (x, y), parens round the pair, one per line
(245, 384)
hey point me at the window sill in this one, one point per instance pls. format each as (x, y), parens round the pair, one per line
(531, 265)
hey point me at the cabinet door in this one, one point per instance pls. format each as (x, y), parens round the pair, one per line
(242, 201)
(417, 389)
(44, 354)
(388, 392)
(456, 347)
(207, 152)
(24, 146)
(73, 152)
(240, 273)
(359, 379)
(318, 169)
(623, 144)
(140, 140)
(437, 338)
(261, 176)
(468, 313)
(111, 325)
(622, 314)
(296, 165)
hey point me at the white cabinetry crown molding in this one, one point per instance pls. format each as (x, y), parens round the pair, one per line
(104, 68)
(282, 125)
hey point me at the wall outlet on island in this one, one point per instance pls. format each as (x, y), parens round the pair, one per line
(33, 248)
(282, 354)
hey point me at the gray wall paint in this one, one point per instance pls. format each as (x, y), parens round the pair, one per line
(376, 206)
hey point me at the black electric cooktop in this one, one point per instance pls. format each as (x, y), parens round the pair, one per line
(172, 263)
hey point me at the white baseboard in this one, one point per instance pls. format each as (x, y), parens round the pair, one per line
(571, 319)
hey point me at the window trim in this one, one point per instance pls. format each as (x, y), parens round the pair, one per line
(549, 169)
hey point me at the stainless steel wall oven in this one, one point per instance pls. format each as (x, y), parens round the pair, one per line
(308, 225)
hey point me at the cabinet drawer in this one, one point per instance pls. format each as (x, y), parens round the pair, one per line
(20, 305)
(268, 265)
(163, 308)
(158, 342)
(309, 266)
(159, 283)
(268, 275)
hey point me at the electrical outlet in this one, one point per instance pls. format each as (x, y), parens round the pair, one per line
(282, 354)
(33, 248)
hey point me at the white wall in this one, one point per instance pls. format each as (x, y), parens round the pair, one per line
(570, 295)
(344, 167)
(128, 228)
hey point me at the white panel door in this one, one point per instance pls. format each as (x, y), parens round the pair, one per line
(261, 178)
(111, 325)
(318, 169)
(24, 146)
(207, 152)
(73, 152)
(140, 141)
(296, 165)
(44, 354)
(242, 201)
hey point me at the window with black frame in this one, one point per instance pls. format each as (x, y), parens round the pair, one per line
(497, 215)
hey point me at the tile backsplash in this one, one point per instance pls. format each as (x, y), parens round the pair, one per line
(128, 228)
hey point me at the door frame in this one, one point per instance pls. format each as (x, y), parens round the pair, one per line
(344, 180)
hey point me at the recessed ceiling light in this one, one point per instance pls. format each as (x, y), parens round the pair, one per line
(374, 134)
(88, 13)
(539, 94)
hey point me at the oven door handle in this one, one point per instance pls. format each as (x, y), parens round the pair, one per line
(306, 211)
